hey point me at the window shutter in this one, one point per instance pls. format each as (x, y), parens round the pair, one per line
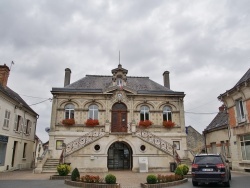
(29, 129)
(15, 123)
(24, 126)
(21, 124)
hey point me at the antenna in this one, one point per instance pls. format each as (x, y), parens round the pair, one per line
(12, 63)
(119, 58)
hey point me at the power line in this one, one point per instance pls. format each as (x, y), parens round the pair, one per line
(204, 113)
(40, 102)
(33, 96)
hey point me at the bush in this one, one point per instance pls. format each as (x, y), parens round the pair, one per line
(63, 169)
(75, 175)
(151, 179)
(182, 170)
(110, 179)
(185, 169)
(91, 179)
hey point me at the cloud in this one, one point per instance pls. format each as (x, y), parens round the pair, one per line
(204, 44)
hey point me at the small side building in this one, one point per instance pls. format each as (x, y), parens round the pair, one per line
(195, 140)
(17, 128)
(217, 135)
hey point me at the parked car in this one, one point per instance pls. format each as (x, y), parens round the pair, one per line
(210, 168)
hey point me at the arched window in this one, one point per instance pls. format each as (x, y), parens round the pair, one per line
(93, 111)
(144, 113)
(167, 113)
(69, 111)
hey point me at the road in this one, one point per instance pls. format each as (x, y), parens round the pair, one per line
(239, 180)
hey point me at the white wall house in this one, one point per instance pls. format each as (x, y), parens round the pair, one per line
(17, 128)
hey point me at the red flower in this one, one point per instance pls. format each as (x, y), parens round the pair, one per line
(68, 122)
(168, 124)
(92, 122)
(145, 123)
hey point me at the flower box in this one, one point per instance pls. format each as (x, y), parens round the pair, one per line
(145, 123)
(168, 124)
(163, 185)
(90, 185)
(92, 122)
(68, 122)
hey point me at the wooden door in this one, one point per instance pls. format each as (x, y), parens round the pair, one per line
(119, 118)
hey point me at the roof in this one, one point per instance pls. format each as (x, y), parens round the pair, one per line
(245, 78)
(14, 96)
(220, 121)
(99, 84)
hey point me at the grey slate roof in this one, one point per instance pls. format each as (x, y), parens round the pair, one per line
(98, 83)
(220, 121)
(13, 95)
(245, 77)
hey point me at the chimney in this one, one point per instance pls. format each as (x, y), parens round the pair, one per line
(222, 108)
(166, 79)
(67, 77)
(4, 74)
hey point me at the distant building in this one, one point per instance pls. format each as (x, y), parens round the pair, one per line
(195, 141)
(217, 134)
(237, 102)
(116, 122)
(17, 128)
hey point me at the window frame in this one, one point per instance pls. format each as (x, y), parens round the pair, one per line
(6, 121)
(240, 111)
(177, 144)
(144, 113)
(58, 146)
(245, 156)
(167, 113)
(69, 111)
(24, 150)
(93, 111)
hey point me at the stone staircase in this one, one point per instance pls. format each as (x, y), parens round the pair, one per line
(50, 166)
(155, 141)
(81, 142)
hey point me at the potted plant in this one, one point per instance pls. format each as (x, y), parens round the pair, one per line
(68, 122)
(92, 122)
(168, 124)
(145, 123)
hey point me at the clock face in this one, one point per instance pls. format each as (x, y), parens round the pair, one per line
(119, 95)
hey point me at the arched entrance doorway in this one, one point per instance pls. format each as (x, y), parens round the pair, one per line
(119, 118)
(119, 156)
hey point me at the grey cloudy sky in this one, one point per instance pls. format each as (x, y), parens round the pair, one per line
(203, 43)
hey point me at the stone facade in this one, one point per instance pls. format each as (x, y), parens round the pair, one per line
(119, 103)
(18, 126)
(237, 102)
(195, 141)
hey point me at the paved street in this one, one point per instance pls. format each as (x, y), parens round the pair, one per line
(24, 179)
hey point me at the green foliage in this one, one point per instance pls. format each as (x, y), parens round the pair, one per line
(151, 179)
(75, 175)
(185, 169)
(110, 179)
(63, 169)
(168, 178)
(182, 170)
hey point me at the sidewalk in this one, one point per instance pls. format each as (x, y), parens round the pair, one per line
(127, 179)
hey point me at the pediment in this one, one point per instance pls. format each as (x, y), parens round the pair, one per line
(117, 88)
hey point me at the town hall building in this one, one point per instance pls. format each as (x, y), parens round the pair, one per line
(117, 122)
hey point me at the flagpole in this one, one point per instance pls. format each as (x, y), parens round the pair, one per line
(12, 63)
